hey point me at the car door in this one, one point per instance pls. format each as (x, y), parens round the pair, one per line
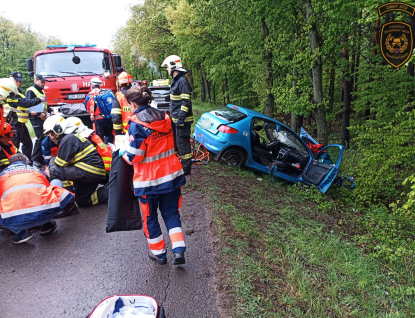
(324, 166)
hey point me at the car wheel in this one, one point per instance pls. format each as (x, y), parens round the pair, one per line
(232, 157)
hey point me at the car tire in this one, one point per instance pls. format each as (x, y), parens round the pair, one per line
(232, 157)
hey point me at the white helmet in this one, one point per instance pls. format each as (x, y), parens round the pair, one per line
(95, 81)
(73, 124)
(54, 123)
(174, 63)
(8, 88)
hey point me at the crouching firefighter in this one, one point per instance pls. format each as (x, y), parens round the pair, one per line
(158, 174)
(77, 161)
(75, 125)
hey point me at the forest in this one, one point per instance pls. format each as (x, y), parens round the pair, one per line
(311, 63)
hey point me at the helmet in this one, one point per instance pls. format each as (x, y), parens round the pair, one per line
(8, 88)
(124, 78)
(73, 124)
(54, 123)
(144, 82)
(174, 63)
(95, 81)
(7, 131)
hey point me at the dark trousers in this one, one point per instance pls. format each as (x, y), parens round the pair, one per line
(37, 124)
(169, 205)
(182, 144)
(22, 136)
(86, 192)
(104, 130)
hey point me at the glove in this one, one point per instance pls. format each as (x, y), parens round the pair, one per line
(118, 132)
(180, 122)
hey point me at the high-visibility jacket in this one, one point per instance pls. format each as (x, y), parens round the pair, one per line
(6, 151)
(20, 108)
(80, 152)
(38, 95)
(157, 169)
(103, 150)
(121, 112)
(180, 102)
(17, 208)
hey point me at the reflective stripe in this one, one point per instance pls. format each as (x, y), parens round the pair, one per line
(178, 244)
(84, 153)
(89, 168)
(151, 183)
(64, 195)
(61, 162)
(174, 120)
(23, 186)
(175, 97)
(124, 124)
(159, 156)
(187, 156)
(117, 126)
(116, 111)
(37, 208)
(184, 108)
(176, 237)
(190, 118)
(67, 183)
(135, 151)
(4, 162)
(185, 96)
(158, 252)
(155, 240)
(94, 198)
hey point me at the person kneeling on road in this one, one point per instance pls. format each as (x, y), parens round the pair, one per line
(20, 211)
(78, 161)
(158, 174)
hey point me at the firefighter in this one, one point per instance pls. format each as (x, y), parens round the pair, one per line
(77, 161)
(121, 112)
(17, 213)
(7, 148)
(180, 109)
(75, 125)
(17, 114)
(103, 125)
(37, 119)
(158, 174)
(8, 89)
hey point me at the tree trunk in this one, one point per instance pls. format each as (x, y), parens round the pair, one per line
(191, 80)
(228, 100)
(317, 78)
(269, 105)
(293, 118)
(202, 87)
(214, 92)
(209, 99)
(223, 93)
(331, 89)
(346, 102)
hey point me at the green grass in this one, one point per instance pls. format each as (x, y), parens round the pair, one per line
(283, 255)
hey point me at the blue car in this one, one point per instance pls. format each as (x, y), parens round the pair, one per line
(242, 137)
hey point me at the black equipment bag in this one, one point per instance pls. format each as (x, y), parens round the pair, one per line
(123, 205)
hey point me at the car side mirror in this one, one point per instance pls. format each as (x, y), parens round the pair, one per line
(29, 65)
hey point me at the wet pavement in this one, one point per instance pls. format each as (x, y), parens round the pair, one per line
(69, 272)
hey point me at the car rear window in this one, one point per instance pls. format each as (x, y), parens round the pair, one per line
(229, 114)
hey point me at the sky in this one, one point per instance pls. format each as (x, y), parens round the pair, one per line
(72, 21)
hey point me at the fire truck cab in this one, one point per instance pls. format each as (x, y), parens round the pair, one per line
(69, 68)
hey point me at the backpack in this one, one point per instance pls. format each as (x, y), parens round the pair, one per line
(104, 102)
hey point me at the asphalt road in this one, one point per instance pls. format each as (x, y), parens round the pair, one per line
(69, 272)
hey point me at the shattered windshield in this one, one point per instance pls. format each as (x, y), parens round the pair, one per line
(61, 64)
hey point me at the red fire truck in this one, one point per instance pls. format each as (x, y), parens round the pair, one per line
(69, 68)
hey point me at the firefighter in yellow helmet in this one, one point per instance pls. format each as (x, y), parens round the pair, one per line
(121, 112)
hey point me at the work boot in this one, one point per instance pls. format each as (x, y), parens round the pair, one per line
(160, 261)
(22, 237)
(178, 258)
(70, 209)
(47, 228)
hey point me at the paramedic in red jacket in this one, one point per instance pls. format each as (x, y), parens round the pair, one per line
(158, 174)
(29, 200)
(103, 126)
(7, 148)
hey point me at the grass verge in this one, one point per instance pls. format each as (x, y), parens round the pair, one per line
(282, 255)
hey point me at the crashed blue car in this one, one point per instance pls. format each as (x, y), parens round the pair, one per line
(242, 137)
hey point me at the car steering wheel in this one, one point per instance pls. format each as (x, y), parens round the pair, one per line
(273, 144)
